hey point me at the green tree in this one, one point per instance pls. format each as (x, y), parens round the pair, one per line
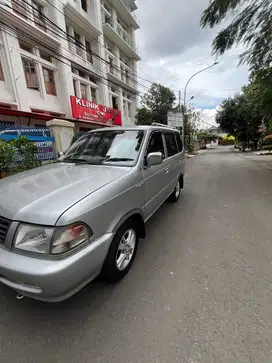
(144, 116)
(250, 26)
(155, 105)
(206, 136)
(259, 92)
(238, 117)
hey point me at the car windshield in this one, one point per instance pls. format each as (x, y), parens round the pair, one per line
(117, 147)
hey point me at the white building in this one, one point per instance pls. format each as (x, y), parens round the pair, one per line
(56, 55)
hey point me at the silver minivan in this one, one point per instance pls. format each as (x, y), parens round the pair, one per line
(65, 223)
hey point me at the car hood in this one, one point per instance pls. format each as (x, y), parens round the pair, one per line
(42, 194)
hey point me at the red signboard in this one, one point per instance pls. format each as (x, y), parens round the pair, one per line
(90, 111)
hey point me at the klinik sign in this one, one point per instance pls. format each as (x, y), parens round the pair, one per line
(90, 111)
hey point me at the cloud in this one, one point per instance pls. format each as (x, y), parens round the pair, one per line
(174, 26)
(173, 47)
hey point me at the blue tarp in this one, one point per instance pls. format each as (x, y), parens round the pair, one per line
(29, 137)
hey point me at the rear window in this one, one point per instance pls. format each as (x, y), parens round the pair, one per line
(171, 144)
(179, 142)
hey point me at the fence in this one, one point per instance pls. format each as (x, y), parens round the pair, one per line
(41, 136)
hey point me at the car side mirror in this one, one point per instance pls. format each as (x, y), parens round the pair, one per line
(154, 159)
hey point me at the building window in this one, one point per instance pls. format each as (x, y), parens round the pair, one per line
(114, 102)
(111, 69)
(129, 109)
(49, 80)
(127, 76)
(38, 12)
(93, 80)
(93, 94)
(82, 74)
(46, 56)
(109, 46)
(25, 46)
(75, 87)
(84, 5)
(108, 20)
(31, 76)
(88, 51)
(19, 7)
(124, 108)
(78, 44)
(1, 73)
(83, 90)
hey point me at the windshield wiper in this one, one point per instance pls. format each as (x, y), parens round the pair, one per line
(73, 160)
(118, 159)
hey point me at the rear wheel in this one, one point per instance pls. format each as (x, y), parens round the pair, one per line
(174, 197)
(121, 254)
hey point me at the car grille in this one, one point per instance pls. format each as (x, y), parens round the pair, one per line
(4, 226)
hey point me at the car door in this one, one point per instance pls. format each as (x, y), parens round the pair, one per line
(181, 155)
(172, 160)
(155, 180)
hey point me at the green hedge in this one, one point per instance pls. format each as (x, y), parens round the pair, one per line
(267, 147)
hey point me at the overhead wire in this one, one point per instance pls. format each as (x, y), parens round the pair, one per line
(78, 56)
(15, 34)
(89, 35)
(79, 44)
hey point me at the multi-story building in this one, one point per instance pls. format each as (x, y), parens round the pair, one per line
(73, 59)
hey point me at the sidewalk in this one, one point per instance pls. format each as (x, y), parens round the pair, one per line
(263, 160)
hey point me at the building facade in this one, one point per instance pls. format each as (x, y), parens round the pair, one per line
(73, 59)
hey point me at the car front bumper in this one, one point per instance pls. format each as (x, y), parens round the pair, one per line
(53, 280)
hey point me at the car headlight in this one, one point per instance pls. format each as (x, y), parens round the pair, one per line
(48, 240)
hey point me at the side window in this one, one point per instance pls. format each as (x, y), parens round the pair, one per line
(179, 142)
(155, 144)
(171, 144)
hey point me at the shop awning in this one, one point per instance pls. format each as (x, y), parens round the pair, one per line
(38, 116)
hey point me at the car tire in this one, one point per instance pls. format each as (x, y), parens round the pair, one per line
(121, 253)
(174, 197)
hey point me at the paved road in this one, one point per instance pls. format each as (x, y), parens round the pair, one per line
(200, 289)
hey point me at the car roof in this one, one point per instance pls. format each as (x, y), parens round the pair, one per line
(136, 128)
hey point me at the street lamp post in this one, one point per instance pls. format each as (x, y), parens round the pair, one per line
(184, 98)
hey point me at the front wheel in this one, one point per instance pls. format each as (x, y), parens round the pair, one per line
(121, 253)
(174, 197)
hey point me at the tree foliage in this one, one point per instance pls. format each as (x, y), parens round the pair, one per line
(259, 91)
(144, 116)
(206, 136)
(155, 105)
(19, 152)
(238, 117)
(251, 26)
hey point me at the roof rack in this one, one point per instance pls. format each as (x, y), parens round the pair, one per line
(163, 125)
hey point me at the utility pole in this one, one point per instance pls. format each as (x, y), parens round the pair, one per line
(179, 102)
(179, 110)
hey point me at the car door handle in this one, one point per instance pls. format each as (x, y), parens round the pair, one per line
(166, 170)
(139, 185)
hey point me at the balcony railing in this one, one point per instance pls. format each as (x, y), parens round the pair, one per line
(123, 74)
(29, 13)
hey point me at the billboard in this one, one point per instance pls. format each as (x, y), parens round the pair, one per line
(175, 119)
(90, 111)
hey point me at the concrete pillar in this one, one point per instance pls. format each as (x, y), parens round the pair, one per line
(63, 132)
